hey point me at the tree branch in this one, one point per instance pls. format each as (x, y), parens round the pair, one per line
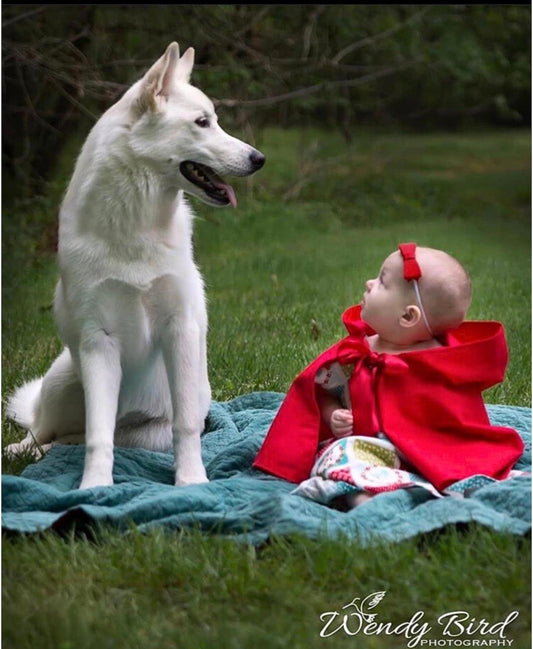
(15, 19)
(311, 90)
(369, 40)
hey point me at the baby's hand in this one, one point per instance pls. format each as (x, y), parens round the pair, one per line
(341, 422)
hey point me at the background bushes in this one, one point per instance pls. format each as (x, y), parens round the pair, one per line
(411, 67)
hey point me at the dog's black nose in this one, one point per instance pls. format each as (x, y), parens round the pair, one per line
(257, 159)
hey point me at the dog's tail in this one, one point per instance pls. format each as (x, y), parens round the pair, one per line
(22, 405)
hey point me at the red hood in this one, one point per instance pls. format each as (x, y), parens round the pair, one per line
(474, 353)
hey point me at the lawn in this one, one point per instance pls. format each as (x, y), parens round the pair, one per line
(310, 228)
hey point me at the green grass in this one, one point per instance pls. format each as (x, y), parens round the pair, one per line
(189, 591)
(311, 227)
(274, 267)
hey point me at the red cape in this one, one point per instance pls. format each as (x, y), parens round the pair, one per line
(428, 403)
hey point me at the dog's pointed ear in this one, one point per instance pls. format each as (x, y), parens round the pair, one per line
(171, 59)
(185, 66)
(156, 84)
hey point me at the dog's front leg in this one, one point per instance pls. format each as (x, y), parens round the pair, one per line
(181, 351)
(101, 377)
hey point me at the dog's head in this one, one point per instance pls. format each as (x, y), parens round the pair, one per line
(174, 128)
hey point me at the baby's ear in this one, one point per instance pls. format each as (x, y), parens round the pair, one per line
(411, 316)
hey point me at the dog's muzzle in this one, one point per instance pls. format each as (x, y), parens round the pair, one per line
(214, 189)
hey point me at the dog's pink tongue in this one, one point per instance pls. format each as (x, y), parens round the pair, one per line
(229, 193)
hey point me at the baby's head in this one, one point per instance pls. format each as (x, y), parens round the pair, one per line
(434, 298)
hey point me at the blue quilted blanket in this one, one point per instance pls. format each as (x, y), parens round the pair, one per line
(242, 502)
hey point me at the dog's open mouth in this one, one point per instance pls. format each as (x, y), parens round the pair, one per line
(209, 182)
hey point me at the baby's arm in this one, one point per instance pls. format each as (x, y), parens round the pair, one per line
(337, 419)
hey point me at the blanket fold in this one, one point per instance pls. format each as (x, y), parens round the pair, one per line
(245, 503)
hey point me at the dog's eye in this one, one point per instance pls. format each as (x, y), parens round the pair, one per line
(202, 122)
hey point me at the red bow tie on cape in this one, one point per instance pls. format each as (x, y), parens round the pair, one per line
(356, 351)
(368, 366)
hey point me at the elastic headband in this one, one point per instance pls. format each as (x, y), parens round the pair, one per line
(412, 273)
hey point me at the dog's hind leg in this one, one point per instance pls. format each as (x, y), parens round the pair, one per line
(101, 377)
(50, 407)
(61, 410)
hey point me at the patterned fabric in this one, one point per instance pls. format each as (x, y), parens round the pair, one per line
(358, 463)
(354, 464)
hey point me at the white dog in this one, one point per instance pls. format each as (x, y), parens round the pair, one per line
(130, 304)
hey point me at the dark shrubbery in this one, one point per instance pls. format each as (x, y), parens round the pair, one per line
(417, 67)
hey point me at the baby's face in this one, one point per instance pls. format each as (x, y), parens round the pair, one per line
(386, 296)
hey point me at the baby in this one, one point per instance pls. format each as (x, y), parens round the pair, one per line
(401, 394)
(407, 313)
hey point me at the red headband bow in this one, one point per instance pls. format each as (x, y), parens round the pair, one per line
(411, 269)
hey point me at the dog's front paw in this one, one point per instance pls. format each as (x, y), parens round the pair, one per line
(186, 477)
(96, 480)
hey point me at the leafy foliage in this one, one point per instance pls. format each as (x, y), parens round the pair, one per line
(433, 66)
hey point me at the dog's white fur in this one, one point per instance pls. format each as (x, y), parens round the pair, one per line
(130, 303)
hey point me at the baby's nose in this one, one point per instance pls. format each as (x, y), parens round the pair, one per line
(369, 284)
